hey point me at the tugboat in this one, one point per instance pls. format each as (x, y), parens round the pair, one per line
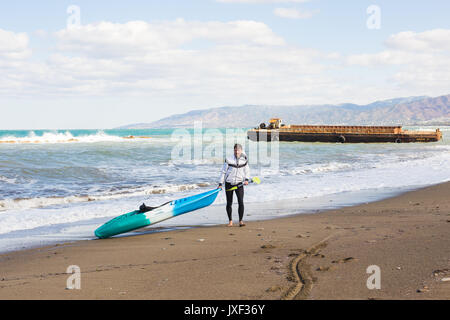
(276, 130)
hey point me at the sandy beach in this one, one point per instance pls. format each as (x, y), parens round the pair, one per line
(308, 256)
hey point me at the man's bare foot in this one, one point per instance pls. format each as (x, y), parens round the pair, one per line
(241, 224)
(230, 224)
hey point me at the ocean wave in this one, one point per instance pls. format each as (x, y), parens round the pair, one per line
(67, 137)
(197, 162)
(317, 168)
(42, 202)
(8, 180)
(16, 180)
(66, 172)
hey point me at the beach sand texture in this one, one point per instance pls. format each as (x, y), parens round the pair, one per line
(309, 256)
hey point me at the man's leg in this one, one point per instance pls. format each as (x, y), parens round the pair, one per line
(240, 196)
(229, 195)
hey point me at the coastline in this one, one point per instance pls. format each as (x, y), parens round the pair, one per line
(255, 211)
(320, 255)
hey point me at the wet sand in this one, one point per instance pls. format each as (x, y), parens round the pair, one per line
(309, 256)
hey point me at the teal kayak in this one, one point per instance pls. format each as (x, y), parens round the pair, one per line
(139, 219)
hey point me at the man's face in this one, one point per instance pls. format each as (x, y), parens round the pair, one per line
(237, 152)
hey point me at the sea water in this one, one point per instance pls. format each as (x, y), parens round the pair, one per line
(60, 185)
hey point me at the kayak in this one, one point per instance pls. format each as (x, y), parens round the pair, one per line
(139, 219)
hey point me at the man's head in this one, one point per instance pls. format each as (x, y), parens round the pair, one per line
(237, 150)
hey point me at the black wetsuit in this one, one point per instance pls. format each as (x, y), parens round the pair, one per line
(240, 196)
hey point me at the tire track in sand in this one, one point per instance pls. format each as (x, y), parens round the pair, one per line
(300, 272)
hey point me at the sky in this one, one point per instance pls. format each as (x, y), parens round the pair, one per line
(83, 64)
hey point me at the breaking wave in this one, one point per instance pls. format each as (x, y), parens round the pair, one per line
(66, 137)
(41, 202)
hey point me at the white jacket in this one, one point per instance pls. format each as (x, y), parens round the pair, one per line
(235, 171)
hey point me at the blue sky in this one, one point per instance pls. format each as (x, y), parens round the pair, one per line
(137, 61)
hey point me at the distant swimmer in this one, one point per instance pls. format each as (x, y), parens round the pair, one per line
(235, 173)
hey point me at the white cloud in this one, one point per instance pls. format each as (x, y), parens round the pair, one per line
(408, 48)
(139, 37)
(427, 41)
(292, 13)
(242, 62)
(417, 62)
(14, 45)
(14, 54)
(242, 59)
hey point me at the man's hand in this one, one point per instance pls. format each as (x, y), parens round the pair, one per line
(219, 186)
(246, 182)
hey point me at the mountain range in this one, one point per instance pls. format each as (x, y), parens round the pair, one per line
(421, 110)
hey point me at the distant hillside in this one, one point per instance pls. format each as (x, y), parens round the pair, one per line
(401, 111)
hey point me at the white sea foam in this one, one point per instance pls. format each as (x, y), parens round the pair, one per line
(317, 168)
(67, 137)
(42, 202)
(8, 180)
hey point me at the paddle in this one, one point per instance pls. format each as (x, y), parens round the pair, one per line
(253, 180)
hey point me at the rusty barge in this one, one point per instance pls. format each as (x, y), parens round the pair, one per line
(276, 130)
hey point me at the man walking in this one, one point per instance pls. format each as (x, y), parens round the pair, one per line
(236, 174)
